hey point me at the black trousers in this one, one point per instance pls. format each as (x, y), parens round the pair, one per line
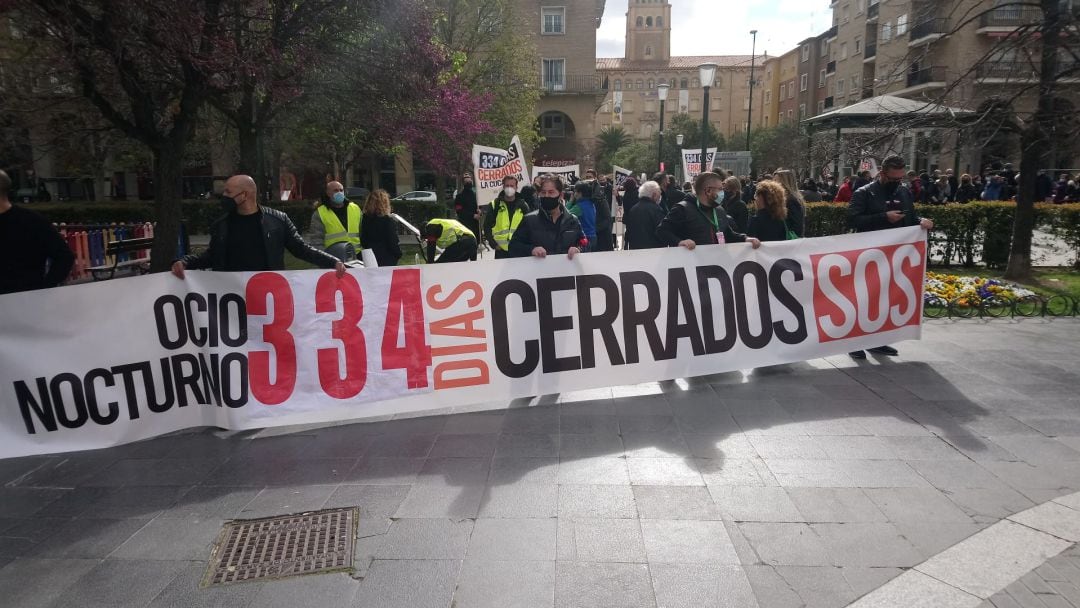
(473, 224)
(604, 241)
(462, 250)
(501, 255)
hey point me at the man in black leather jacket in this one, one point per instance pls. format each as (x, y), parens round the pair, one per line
(699, 220)
(882, 204)
(250, 237)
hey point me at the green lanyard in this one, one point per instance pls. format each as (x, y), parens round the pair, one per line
(715, 221)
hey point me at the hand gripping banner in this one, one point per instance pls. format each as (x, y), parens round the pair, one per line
(101, 364)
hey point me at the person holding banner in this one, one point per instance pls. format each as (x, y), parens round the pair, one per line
(250, 237)
(502, 221)
(883, 204)
(33, 255)
(457, 242)
(551, 230)
(695, 220)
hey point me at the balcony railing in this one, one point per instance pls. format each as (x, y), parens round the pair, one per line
(873, 11)
(1012, 16)
(832, 32)
(572, 83)
(926, 75)
(830, 68)
(930, 27)
(871, 51)
(1021, 71)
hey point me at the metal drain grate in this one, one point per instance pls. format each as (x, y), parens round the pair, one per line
(277, 547)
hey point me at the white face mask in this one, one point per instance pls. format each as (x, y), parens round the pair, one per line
(509, 191)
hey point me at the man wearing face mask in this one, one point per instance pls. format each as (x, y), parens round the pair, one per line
(882, 204)
(250, 237)
(700, 219)
(336, 220)
(466, 208)
(506, 214)
(550, 230)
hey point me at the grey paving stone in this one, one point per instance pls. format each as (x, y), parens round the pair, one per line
(330, 590)
(770, 589)
(923, 448)
(252, 471)
(594, 471)
(736, 472)
(38, 583)
(856, 448)
(385, 471)
(1024, 476)
(787, 448)
(1037, 449)
(373, 501)
(587, 424)
(989, 505)
(864, 580)
(600, 540)
(116, 582)
(521, 500)
(185, 592)
(535, 420)
(599, 501)
(786, 544)
(701, 586)
(875, 545)
(916, 505)
(464, 445)
(87, 538)
(286, 501)
(664, 472)
(409, 584)
(835, 505)
(25, 534)
(801, 473)
(578, 445)
(882, 474)
(505, 584)
(67, 472)
(25, 502)
(933, 538)
(718, 447)
(523, 470)
(675, 502)
(818, 585)
(171, 539)
(916, 590)
(1052, 518)
(513, 540)
(662, 423)
(454, 471)
(207, 502)
(455, 502)
(162, 472)
(754, 504)
(479, 422)
(527, 446)
(694, 542)
(425, 539)
(412, 424)
(601, 585)
(958, 475)
(401, 446)
(655, 444)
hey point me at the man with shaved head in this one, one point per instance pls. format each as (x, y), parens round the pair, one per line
(250, 237)
(336, 220)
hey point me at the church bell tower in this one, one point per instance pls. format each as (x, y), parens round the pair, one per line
(648, 31)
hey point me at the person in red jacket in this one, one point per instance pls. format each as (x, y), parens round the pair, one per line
(843, 195)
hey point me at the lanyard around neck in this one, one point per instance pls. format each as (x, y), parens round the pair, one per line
(715, 221)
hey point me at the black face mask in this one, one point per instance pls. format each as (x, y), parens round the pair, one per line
(468, 185)
(891, 187)
(549, 203)
(228, 204)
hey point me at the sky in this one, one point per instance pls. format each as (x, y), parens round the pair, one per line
(722, 27)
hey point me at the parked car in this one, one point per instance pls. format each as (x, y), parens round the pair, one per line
(356, 194)
(423, 196)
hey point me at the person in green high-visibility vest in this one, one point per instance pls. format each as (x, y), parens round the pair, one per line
(504, 216)
(457, 242)
(336, 220)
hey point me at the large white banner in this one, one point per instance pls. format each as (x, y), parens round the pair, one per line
(691, 162)
(569, 173)
(106, 363)
(491, 165)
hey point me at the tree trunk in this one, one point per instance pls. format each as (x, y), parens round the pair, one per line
(249, 149)
(168, 192)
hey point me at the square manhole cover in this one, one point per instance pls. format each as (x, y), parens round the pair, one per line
(277, 547)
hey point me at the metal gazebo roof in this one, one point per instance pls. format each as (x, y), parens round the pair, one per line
(886, 108)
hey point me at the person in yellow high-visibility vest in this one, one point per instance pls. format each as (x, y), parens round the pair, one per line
(336, 220)
(457, 242)
(502, 220)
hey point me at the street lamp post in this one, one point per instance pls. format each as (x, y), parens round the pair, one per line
(661, 93)
(750, 107)
(678, 140)
(707, 73)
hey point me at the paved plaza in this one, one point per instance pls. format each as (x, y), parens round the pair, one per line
(939, 478)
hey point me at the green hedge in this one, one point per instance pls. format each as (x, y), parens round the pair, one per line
(198, 215)
(969, 234)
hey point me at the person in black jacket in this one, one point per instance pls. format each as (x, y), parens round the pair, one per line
(880, 205)
(734, 205)
(250, 237)
(796, 205)
(967, 191)
(551, 230)
(465, 205)
(699, 220)
(33, 255)
(643, 218)
(769, 222)
(378, 231)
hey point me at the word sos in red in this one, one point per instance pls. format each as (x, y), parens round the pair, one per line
(868, 291)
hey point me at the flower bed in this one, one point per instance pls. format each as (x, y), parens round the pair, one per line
(972, 291)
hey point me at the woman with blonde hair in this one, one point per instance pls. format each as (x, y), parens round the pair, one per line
(769, 223)
(796, 206)
(378, 231)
